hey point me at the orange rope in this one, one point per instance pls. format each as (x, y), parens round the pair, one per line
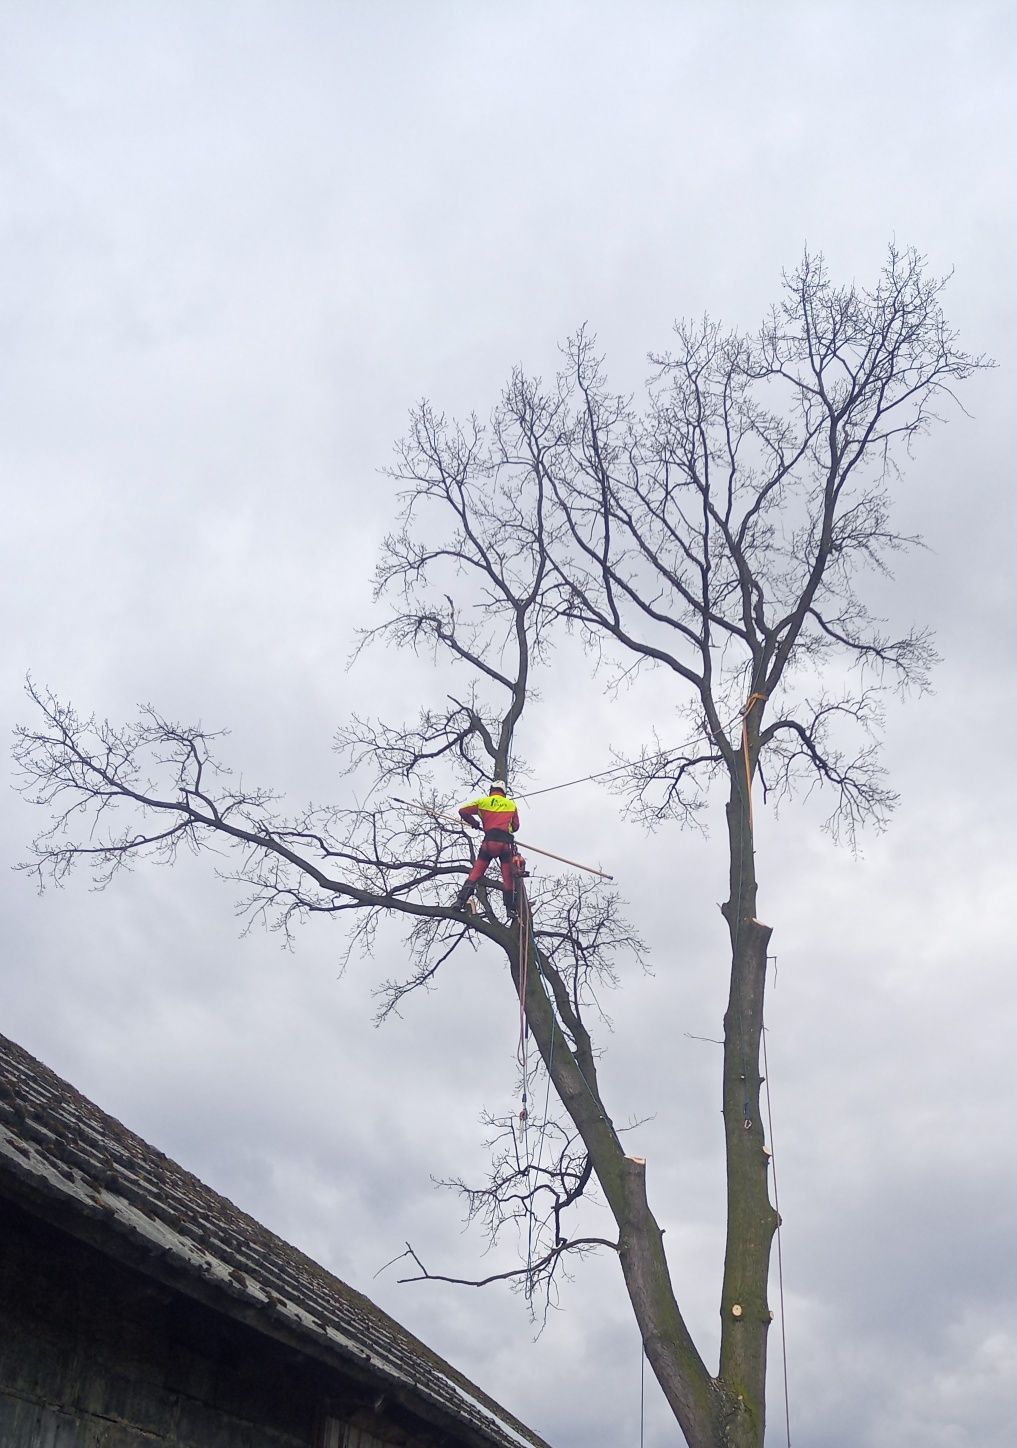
(750, 704)
(524, 969)
(522, 1053)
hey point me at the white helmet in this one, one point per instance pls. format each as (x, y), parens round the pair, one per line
(498, 784)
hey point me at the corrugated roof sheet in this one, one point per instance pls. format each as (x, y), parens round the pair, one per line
(60, 1145)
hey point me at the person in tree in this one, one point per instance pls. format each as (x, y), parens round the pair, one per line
(497, 816)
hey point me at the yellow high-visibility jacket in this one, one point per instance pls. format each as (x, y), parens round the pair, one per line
(496, 813)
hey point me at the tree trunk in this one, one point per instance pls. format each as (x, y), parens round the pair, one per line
(751, 1219)
(712, 1412)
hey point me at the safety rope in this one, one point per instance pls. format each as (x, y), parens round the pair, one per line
(443, 817)
(522, 1055)
(662, 754)
(780, 1254)
(524, 917)
(750, 704)
(524, 965)
(642, 1389)
(547, 1097)
(528, 952)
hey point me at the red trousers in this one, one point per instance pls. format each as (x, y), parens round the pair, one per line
(493, 850)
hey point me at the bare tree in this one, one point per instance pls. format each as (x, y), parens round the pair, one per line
(721, 531)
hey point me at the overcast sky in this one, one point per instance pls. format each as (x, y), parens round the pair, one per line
(238, 242)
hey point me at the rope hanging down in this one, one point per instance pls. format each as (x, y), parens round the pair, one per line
(524, 965)
(528, 954)
(780, 1254)
(522, 1056)
(750, 704)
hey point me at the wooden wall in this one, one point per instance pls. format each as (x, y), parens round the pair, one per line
(94, 1354)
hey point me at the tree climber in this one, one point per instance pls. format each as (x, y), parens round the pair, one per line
(498, 817)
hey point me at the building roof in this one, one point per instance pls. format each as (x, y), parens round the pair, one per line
(62, 1155)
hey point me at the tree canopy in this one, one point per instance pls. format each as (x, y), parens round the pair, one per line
(720, 529)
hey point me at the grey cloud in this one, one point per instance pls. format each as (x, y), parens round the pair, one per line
(235, 254)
